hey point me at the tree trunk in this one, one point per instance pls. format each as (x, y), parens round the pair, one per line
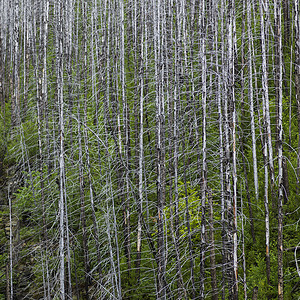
(60, 97)
(266, 92)
(297, 80)
(286, 21)
(204, 146)
(10, 291)
(280, 150)
(255, 293)
(267, 140)
(212, 247)
(250, 96)
(160, 154)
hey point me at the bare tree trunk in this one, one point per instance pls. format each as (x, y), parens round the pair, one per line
(280, 149)
(160, 154)
(266, 88)
(181, 72)
(244, 255)
(234, 149)
(174, 136)
(26, 60)
(250, 95)
(60, 97)
(82, 181)
(268, 157)
(297, 80)
(127, 152)
(10, 292)
(203, 30)
(286, 21)
(141, 153)
(285, 181)
(94, 41)
(15, 114)
(212, 247)
(221, 175)
(267, 215)
(230, 122)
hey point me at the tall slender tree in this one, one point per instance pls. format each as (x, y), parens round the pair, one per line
(62, 183)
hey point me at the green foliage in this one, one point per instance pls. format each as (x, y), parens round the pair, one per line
(23, 143)
(190, 198)
(255, 277)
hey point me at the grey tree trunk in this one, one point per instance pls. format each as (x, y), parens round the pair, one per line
(213, 271)
(10, 285)
(160, 154)
(60, 97)
(268, 155)
(297, 79)
(280, 149)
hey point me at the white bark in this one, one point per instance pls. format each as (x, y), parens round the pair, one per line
(266, 88)
(278, 9)
(204, 149)
(60, 96)
(250, 95)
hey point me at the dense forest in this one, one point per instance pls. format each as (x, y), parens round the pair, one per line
(150, 149)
